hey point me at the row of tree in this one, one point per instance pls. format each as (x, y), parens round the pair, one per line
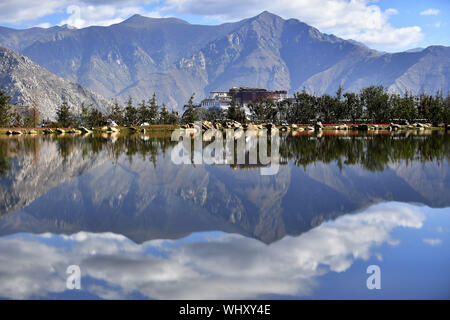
(27, 117)
(147, 112)
(373, 104)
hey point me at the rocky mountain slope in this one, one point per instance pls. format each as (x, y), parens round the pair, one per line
(174, 58)
(27, 83)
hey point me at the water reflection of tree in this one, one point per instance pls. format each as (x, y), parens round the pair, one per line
(10, 148)
(4, 157)
(371, 152)
(115, 146)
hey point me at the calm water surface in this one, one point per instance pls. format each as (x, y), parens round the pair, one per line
(140, 226)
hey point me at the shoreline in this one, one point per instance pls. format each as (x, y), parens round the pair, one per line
(164, 129)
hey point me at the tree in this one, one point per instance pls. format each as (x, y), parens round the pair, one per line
(130, 118)
(213, 114)
(168, 118)
(235, 111)
(283, 110)
(340, 111)
(423, 105)
(16, 120)
(153, 109)
(5, 109)
(436, 110)
(143, 113)
(326, 108)
(31, 117)
(63, 115)
(376, 102)
(95, 118)
(403, 108)
(190, 114)
(84, 115)
(304, 108)
(174, 118)
(353, 107)
(33, 114)
(263, 109)
(164, 115)
(446, 111)
(116, 113)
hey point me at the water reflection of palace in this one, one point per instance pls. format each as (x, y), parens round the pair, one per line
(244, 167)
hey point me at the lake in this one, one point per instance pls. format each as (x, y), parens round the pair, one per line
(139, 226)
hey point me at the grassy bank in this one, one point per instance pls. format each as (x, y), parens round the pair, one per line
(151, 128)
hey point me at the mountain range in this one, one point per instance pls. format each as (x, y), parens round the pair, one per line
(174, 58)
(29, 84)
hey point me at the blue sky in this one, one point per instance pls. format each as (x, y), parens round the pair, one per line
(393, 25)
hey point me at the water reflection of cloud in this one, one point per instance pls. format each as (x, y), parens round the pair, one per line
(229, 266)
(30, 268)
(432, 242)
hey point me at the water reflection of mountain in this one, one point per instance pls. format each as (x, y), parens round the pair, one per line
(129, 186)
(31, 167)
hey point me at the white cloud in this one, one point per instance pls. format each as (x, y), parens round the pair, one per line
(101, 15)
(391, 11)
(390, 37)
(44, 25)
(81, 13)
(433, 242)
(430, 12)
(18, 11)
(357, 19)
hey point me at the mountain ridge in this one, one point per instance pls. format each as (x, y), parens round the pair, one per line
(27, 83)
(169, 56)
